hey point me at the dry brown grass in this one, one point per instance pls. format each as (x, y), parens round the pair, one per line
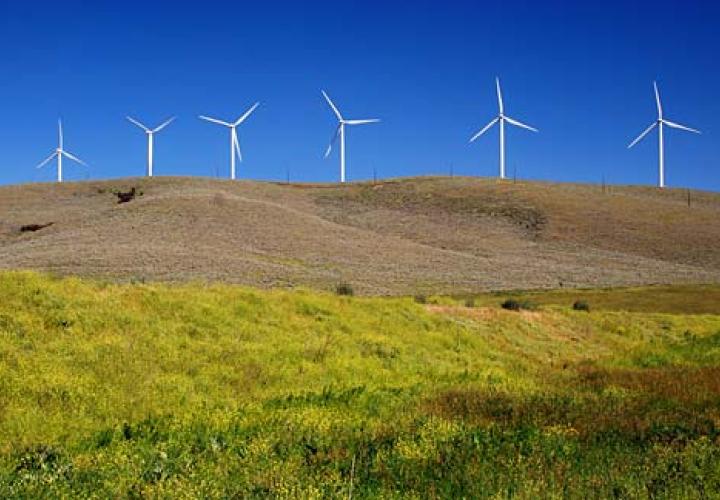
(698, 385)
(428, 235)
(668, 405)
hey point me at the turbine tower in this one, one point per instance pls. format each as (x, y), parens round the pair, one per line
(150, 133)
(234, 143)
(660, 123)
(59, 153)
(340, 132)
(501, 118)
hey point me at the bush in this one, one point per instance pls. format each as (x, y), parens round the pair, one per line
(516, 305)
(511, 305)
(470, 302)
(581, 305)
(420, 299)
(344, 289)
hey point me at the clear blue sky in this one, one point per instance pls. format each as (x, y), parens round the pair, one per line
(581, 72)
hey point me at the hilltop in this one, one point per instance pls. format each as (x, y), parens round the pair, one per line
(415, 235)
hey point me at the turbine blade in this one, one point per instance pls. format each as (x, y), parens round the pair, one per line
(135, 122)
(333, 140)
(681, 127)
(647, 131)
(237, 145)
(361, 122)
(247, 114)
(657, 100)
(168, 122)
(215, 120)
(74, 158)
(520, 124)
(46, 160)
(499, 96)
(60, 133)
(484, 129)
(332, 105)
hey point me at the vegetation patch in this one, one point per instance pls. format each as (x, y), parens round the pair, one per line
(581, 305)
(126, 196)
(344, 289)
(518, 305)
(151, 390)
(602, 408)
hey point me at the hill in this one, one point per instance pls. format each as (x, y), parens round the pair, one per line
(417, 235)
(187, 391)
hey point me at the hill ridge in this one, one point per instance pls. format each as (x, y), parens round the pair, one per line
(397, 236)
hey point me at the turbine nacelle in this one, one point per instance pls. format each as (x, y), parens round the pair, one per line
(148, 130)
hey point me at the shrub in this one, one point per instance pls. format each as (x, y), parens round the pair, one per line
(511, 305)
(581, 305)
(344, 289)
(516, 305)
(125, 197)
(420, 299)
(470, 302)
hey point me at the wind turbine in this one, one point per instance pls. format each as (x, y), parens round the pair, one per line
(340, 132)
(659, 123)
(59, 153)
(501, 118)
(150, 133)
(234, 143)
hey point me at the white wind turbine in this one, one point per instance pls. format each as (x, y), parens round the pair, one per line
(150, 133)
(59, 153)
(501, 118)
(340, 132)
(659, 123)
(234, 142)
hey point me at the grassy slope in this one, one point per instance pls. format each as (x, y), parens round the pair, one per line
(417, 235)
(198, 390)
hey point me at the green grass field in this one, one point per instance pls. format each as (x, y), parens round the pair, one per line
(200, 390)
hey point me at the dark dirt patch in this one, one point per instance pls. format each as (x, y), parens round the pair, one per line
(31, 228)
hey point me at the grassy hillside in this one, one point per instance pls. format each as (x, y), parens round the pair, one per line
(420, 235)
(204, 391)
